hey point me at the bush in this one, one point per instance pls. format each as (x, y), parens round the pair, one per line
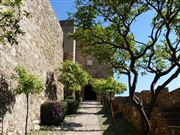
(73, 106)
(70, 97)
(52, 112)
(65, 106)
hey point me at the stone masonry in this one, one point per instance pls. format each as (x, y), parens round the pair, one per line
(67, 27)
(89, 63)
(165, 116)
(40, 51)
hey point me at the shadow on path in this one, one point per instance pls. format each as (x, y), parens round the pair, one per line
(118, 127)
(84, 122)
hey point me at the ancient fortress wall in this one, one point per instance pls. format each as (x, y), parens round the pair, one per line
(40, 51)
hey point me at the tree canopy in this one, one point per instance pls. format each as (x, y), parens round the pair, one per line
(116, 43)
(27, 82)
(104, 29)
(11, 13)
(103, 86)
(73, 76)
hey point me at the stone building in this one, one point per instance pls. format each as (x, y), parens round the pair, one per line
(40, 51)
(88, 62)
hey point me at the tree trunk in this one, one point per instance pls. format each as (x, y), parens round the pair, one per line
(27, 113)
(152, 104)
(145, 123)
(104, 104)
(2, 128)
(146, 126)
(111, 108)
(73, 94)
(110, 96)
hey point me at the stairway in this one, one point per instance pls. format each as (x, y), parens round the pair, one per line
(170, 116)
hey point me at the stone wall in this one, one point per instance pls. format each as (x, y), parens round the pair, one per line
(89, 63)
(40, 51)
(73, 52)
(92, 66)
(128, 111)
(165, 116)
(67, 27)
(165, 98)
(166, 121)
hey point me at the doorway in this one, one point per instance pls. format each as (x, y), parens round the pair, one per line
(89, 94)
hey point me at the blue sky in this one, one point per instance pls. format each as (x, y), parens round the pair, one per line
(140, 28)
(61, 7)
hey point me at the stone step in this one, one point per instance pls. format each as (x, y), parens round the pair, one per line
(173, 123)
(170, 116)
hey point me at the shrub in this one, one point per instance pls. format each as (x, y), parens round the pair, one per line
(70, 97)
(65, 106)
(73, 106)
(52, 113)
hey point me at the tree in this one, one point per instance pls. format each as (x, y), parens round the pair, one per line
(116, 43)
(73, 76)
(98, 86)
(27, 84)
(114, 87)
(11, 13)
(108, 86)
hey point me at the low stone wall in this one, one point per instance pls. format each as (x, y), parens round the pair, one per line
(165, 98)
(165, 119)
(124, 106)
(40, 51)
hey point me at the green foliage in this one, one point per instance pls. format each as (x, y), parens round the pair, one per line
(64, 106)
(73, 106)
(27, 82)
(73, 76)
(10, 15)
(116, 43)
(114, 86)
(98, 86)
(109, 85)
(70, 97)
(52, 112)
(107, 33)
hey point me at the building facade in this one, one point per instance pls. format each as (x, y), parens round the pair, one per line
(89, 63)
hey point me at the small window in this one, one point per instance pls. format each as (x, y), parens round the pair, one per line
(89, 62)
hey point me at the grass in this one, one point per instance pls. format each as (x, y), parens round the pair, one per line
(118, 127)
